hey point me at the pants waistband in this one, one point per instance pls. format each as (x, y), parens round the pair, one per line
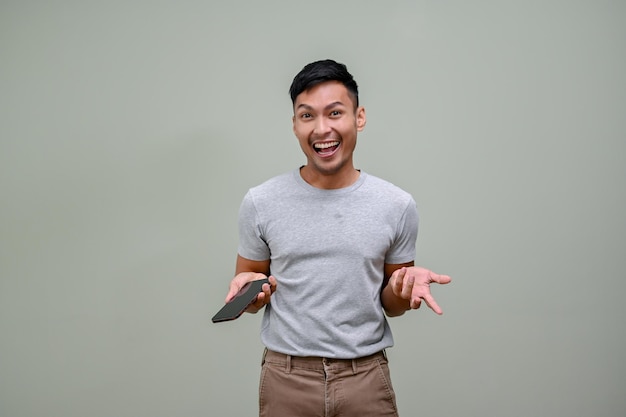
(318, 363)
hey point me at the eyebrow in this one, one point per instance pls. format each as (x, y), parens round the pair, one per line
(327, 107)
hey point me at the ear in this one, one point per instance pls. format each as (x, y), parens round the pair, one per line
(293, 123)
(361, 120)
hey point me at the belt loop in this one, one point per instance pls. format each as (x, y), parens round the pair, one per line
(288, 364)
(385, 354)
(264, 355)
(354, 366)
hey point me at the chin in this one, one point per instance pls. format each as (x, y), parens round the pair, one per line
(329, 168)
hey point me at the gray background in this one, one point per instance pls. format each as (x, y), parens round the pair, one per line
(131, 130)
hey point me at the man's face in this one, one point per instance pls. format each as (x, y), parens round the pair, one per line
(326, 123)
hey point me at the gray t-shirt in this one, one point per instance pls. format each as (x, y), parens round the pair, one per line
(327, 250)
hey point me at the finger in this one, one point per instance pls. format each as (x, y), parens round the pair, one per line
(267, 293)
(257, 304)
(260, 299)
(407, 288)
(415, 303)
(439, 279)
(432, 304)
(399, 281)
(273, 284)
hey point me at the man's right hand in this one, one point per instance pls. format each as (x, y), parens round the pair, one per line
(263, 298)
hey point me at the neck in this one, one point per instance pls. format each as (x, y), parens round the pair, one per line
(336, 180)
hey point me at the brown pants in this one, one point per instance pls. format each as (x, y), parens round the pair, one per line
(294, 386)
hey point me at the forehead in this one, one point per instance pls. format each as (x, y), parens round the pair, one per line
(323, 94)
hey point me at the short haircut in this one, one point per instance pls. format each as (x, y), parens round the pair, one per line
(321, 71)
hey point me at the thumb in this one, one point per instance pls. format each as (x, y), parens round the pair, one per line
(233, 289)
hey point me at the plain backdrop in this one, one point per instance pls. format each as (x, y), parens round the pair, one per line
(130, 131)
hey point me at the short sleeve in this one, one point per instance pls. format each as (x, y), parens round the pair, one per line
(403, 246)
(251, 245)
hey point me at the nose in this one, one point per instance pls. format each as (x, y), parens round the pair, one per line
(321, 126)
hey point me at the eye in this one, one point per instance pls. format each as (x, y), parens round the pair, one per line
(335, 113)
(305, 116)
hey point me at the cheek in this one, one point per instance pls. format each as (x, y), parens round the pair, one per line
(349, 131)
(302, 133)
(302, 141)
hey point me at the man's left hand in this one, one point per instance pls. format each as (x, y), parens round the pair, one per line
(413, 283)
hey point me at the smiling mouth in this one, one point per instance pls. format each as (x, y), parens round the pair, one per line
(326, 148)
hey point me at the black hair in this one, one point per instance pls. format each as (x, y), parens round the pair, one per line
(321, 71)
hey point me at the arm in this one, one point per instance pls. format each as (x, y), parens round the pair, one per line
(247, 270)
(405, 286)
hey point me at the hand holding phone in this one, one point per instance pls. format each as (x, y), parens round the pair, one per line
(246, 296)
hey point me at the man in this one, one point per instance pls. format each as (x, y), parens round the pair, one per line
(338, 246)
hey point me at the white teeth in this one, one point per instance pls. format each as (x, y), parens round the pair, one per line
(326, 145)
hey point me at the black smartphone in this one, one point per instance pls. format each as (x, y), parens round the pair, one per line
(246, 296)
